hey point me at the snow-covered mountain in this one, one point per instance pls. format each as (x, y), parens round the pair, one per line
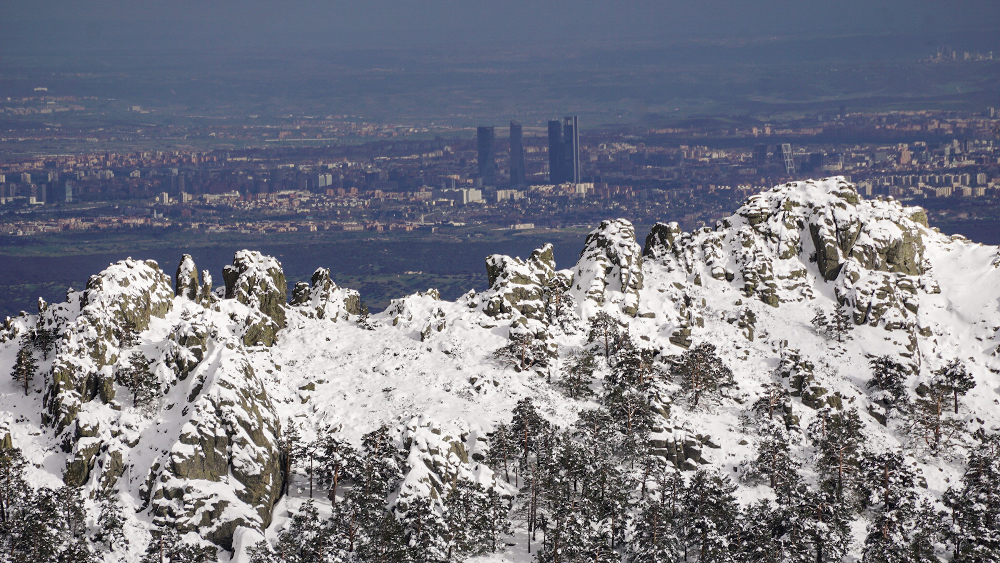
(203, 442)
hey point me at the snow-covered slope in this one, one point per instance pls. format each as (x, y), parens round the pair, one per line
(236, 370)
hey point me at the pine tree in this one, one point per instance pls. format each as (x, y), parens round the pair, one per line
(772, 401)
(560, 307)
(426, 532)
(773, 463)
(475, 519)
(839, 438)
(44, 340)
(605, 331)
(578, 375)
(841, 324)
(140, 380)
(930, 422)
(526, 426)
(633, 367)
(656, 538)
(824, 522)
(954, 378)
(289, 444)
(523, 351)
(710, 508)
(111, 522)
(167, 545)
(128, 334)
(335, 459)
(701, 372)
(820, 323)
(305, 540)
(975, 505)
(888, 383)
(24, 368)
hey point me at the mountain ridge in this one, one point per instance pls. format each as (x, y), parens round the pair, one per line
(237, 369)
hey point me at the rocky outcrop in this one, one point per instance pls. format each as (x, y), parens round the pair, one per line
(186, 281)
(322, 299)
(610, 268)
(117, 305)
(872, 251)
(257, 281)
(223, 471)
(660, 240)
(518, 287)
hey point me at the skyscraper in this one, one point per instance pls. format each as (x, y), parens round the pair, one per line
(571, 136)
(784, 153)
(487, 157)
(564, 151)
(759, 155)
(517, 173)
(555, 152)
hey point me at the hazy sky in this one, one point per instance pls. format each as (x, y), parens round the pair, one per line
(66, 26)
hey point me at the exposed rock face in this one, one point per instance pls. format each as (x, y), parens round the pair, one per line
(223, 470)
(872, 251)
(321, 298)
(186, 282)
(517, 287)
(610, 268)
(436, 460)
(257, 281)
(660, 240)
(120, 300)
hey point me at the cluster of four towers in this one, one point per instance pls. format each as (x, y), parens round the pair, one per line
(564, 153)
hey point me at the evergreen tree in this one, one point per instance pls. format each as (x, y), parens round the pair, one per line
(24, 368)
(838, 437)
(502, 450)
(710, 511)
(128, 334)
(560, 307)
(841, 324)
(930, 422)
(578, 375)
(44, 340)
(523, 351)
(140, 380)
(772, 400)
(773, 464)
(475, 518)
(111, 522)
(335, 458)
(820, 322)
(633, 367)
(656, 538)
(167, 546)
(289, 444)
(605, 331)
(526, 426)
(824, 522)
(426, 532)
(888, 383)
(955, 379)
(305, 540)
(975, 505)
(701, 372)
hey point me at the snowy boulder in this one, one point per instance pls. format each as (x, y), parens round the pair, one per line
(257, 281)
(186, 281)
(610, 268)
(223, 469)
(518, 286)
(115, 308)
(660, 240)
(322, 299)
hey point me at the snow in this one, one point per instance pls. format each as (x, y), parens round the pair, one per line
(424, 366)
